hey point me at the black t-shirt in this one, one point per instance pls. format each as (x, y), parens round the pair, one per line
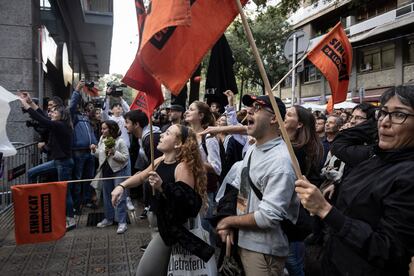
(60, 136)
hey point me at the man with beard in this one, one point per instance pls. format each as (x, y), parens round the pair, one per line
(269, 195)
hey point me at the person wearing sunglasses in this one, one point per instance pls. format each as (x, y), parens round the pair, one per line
(371, 224)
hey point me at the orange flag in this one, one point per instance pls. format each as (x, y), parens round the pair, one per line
(177, 35)
(145, 104)
(140, 79)
(333, 57)
(39, 212)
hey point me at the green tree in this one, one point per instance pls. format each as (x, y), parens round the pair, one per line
(270, 31)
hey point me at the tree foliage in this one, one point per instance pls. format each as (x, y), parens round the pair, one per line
(270, 31)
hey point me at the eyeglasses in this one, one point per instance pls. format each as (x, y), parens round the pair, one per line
(396, 117)
(358, 118)
(256, 107)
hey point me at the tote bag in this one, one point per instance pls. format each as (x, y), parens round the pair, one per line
(183, 263)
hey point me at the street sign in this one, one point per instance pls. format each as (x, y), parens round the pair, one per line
(295, 48)
(302, 44)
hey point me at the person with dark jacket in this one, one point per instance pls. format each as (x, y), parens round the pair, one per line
(371, 226)
(59, 145)
(83, 138)
(354, 145)
(179, 182)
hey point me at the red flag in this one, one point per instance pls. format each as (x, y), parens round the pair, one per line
(39, 212)
(141, 14)
(178, 34)
(92, 91)
(333, 57)
(137, 77)
(144, 103)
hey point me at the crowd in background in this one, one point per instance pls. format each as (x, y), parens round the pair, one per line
(352, 214)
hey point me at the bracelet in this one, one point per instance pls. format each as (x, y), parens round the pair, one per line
(123, 187)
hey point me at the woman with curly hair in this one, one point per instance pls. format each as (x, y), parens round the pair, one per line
(199, 117)
(179, 182)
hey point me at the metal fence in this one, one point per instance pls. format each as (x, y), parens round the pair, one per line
(13, 171)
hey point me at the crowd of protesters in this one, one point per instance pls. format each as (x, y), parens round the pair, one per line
(352, 212)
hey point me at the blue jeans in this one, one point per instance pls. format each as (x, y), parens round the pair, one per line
(84, 169)
(63, 167)
(210, 210)
(294, 261)
(44, 168)
(119, 212)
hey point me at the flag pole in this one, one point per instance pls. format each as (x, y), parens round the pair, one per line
(290, 71)
(151, 148)
(268, 89)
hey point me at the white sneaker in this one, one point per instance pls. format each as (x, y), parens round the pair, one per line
(122, 227)
(70, 223)
(104, 223)
(129, 204)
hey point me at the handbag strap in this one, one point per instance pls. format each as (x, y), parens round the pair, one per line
(256, 190)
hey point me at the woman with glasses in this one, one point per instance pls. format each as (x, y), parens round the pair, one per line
(371, 226)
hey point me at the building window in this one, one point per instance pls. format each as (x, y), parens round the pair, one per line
(409, 50)
(45, 5)
(375, 59)
(310, 73)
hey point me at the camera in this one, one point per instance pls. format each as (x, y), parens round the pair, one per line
(116, 90)
(32, 123)
(90, 84)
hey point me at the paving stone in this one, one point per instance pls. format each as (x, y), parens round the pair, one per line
(99, 251)
(82, 251)
(55, 273)
(98, 260)
(98, 270)
(57, 264)
(77, 271)
(118, 258)
(118, 268)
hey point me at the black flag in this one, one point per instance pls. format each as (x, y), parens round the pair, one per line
(220, 75)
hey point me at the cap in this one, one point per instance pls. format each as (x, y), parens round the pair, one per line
(248, 100)
(176, 107)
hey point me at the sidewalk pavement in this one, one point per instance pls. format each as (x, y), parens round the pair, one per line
(85, 250)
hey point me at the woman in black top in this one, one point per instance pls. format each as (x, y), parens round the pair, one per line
(372, 223)
(179, 181)
(59, 146)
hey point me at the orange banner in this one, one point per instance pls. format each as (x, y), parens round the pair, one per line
(140, 79)
(333, 57)
(144, 103)
(177, 35)
(39, 212)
